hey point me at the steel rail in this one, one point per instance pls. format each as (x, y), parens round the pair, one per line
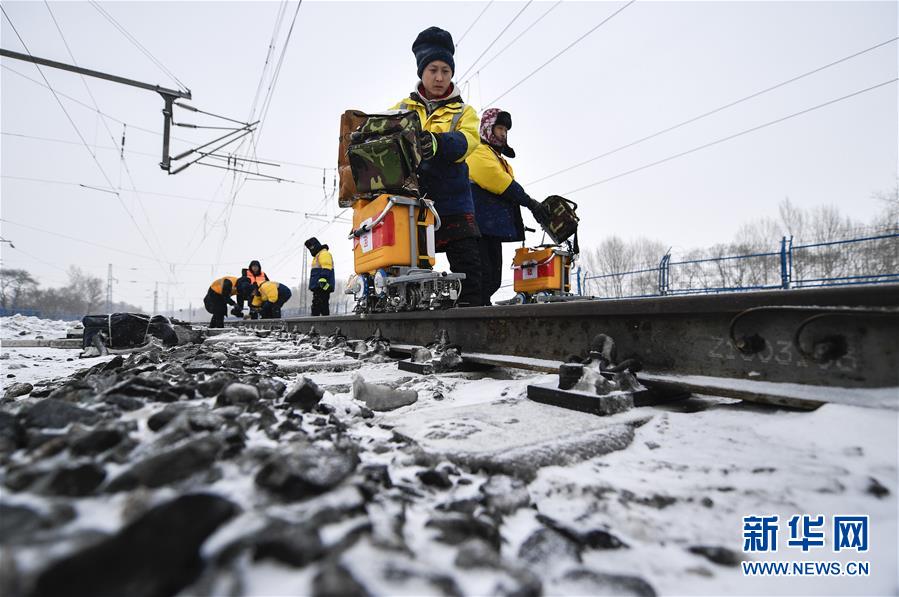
(679, 335)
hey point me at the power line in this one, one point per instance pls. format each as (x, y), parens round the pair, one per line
(154, 155)
(729, 137)
(91, 108)
(282, 10)
(79, 240)
(716, 110)
(107, 247)
(78, 131)
(496, 39)
(565, 49)
(517, 37)
(137, 44)
(168, 195)
(122, 160)
(270, 92)
(477, 18)
(254, 140)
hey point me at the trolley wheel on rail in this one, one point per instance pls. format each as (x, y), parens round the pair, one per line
(521, 298)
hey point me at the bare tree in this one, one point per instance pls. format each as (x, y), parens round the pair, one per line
(14, 284)
(87, 291)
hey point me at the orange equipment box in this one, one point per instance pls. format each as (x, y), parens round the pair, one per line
(539, 270)
(404, 236)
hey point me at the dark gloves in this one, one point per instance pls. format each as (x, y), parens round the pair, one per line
(428, 145)
(323, 284)
(237, 312)
(541, 214)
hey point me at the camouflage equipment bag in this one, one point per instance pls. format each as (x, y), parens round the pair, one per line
(561, 221)
(384, 153)
(349, 122)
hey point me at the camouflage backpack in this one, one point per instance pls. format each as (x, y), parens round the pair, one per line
(561, 218)
(384, 153)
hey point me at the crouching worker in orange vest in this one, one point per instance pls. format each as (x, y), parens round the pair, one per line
(218, 297)
(321, 276)
(268, 297)
(254, 273)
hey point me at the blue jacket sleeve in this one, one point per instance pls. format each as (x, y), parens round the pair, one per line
(515, 194)
(226, 291)
(451, 147)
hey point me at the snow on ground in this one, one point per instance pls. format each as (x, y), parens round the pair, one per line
(34, 365)
(26, 327)
(673, 478)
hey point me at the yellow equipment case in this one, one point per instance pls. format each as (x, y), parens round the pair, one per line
(398, 232)
(393, 225)
(546, 270)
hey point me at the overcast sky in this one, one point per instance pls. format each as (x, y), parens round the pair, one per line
(653, 65)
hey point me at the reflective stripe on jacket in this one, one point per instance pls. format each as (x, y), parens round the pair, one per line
(228, 283)
(256, 279)
(322, 267)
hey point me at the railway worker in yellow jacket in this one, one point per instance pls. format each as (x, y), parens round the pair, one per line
(321, 276)
(218, 297)
(498, 197)
(268, 297)
(450, 134)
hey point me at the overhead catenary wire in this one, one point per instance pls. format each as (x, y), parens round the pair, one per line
(232, 169)
(733, 136)
(254, 139)
(89, 107)
(279, 19)
(496, 39)
(145, 192)
(473, 23)
(102, 246)
(137, 44)
(562, 51)
(199, 111)
(80, 136)
(237, 187)
(143, 129)
(716, 110)
(517, 37)
(122, 161)
(79, 240)
(119, 149)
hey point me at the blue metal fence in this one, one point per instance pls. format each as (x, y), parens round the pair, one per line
(29, 312)
(866, 260)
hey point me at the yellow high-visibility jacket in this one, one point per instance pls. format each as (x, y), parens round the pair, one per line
(444, 178)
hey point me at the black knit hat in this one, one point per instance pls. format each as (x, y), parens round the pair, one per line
(433, 44)
(313, 245)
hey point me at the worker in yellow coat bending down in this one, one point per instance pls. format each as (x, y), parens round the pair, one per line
(268, 298)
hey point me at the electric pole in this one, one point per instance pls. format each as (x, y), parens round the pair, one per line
(156, 299)
(109, 289)
(304, 283)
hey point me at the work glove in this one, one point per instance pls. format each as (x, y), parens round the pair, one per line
(323, 284)
(237, 312)
(541, 214)
(428, 145)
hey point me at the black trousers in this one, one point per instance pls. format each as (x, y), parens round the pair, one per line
(273, 310)
(218, 306)
(492, 266)
(464, 257)
(320, 302)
